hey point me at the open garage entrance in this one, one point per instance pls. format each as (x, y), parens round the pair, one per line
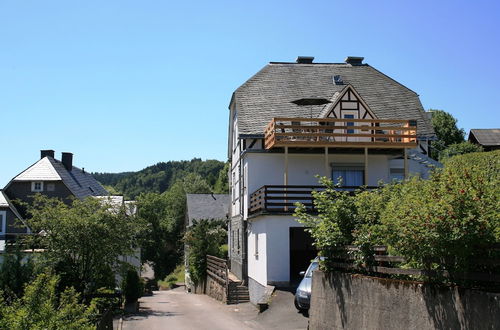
(302, 252)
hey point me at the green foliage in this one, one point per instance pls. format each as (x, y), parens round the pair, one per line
(337, 218)
(441, 223)
(447, 132)
(160, 177)
(459, 149)
(17, 269)
(164, 215)
(82, 240)
(203, 238)
(132, 286)
(222, 184)
(42, 308)
(177, 276)
(444, 221)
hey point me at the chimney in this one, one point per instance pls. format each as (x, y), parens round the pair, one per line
(67, 160)
(305, 59)
(354, 60)
(45, 153)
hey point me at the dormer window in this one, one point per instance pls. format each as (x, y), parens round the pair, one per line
(37, 186)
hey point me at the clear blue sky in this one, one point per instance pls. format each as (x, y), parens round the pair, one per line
(126, 84)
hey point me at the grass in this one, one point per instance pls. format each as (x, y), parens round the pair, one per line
(172, 279)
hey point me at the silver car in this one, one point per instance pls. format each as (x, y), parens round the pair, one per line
(303, 293)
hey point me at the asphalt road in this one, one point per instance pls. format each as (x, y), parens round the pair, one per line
(176, 309)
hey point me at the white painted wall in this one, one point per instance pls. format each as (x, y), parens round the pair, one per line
(257, 265)
(268, 169)
(273, 261)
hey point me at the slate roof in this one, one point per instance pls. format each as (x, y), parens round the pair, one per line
(269, 94)
(486, 137)
(207, 206)
(3, 200)
(81, 184)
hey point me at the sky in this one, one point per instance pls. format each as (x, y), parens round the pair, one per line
(127, 84)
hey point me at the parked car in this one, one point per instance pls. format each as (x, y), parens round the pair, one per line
(303, 292)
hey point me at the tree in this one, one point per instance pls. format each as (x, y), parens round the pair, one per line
(222, 184)
(15, 273)
(165, 215)
(82, 241)
(42, 308)
(202, 238)
(447, 132)
(459, 149)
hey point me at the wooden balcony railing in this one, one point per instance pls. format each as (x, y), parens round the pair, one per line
(282, 199)
(348, 133)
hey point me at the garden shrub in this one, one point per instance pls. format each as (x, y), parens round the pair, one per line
(203, 238)
(441, 223)
(42, 307)
(132, 286)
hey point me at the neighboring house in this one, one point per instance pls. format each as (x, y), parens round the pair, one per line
(204, 207)
(53, 178)
(50, 177)
(293, 121)
(488, 138)
(11, 222)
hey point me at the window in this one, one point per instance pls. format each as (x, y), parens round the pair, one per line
(51, 187)
(37, 186)
(351, 176)
(349, 123)
(397, 174)
(3, 221)
(238, 251)
(256, 254)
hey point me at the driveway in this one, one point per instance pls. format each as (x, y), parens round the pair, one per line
(176, 309)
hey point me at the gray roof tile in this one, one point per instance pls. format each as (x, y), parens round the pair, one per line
(486, 136)
(207, 206)
(269, 94)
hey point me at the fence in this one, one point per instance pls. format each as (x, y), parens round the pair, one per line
(383, 263)
(217, 278)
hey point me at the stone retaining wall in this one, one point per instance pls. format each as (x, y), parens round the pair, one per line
(216, 290)
(351, 301)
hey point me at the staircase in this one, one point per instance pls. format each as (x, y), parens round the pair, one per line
(237, 293)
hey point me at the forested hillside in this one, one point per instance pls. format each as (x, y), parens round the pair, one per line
(160, 177)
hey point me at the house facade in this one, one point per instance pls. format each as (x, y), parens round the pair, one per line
(47, 176)
(291, 122)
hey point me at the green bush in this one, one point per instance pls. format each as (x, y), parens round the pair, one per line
(441, 223)
(445, 222)
(203, 238)
(132, 286)
(42, 308)
(459, 149)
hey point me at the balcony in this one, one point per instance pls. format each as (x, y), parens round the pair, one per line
(344, 133)
(281, 199)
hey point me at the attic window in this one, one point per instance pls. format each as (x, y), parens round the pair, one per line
(37, 186)
(337, 80)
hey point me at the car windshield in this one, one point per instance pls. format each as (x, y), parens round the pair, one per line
(312, 267)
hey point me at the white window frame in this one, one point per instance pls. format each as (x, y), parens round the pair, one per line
(3, 217)
(33, 186)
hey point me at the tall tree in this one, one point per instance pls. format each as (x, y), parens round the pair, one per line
(447, 132)
(82, 241)
(164, 215)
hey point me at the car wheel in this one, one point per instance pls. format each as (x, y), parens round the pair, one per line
(300, 309)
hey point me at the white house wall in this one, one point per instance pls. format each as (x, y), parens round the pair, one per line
(257, 264)
(268, 169)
